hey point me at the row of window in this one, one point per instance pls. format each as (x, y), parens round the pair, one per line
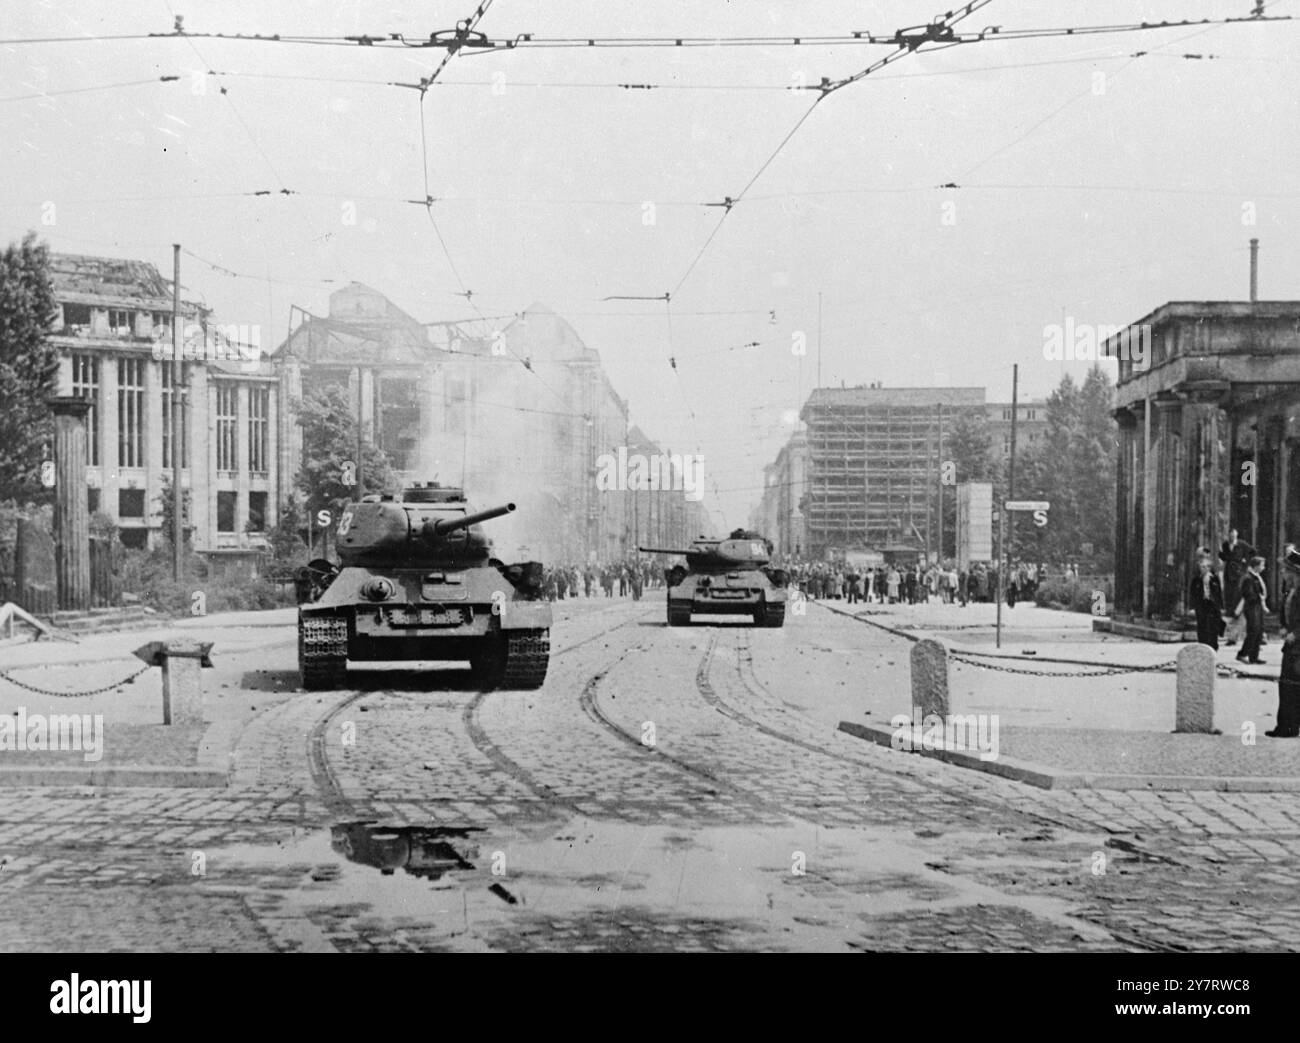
(132, 420)
(131, 506)
(121, 321)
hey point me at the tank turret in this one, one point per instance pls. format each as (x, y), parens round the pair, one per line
(751, 551)
(726, 577)
(425, 526)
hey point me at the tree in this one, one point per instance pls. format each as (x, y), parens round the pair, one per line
(1074, 469)
(29, 367)
(283, 539)
(329, 438)
(167, 504)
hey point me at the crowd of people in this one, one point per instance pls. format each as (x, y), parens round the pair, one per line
(618, 579)
(915, 584)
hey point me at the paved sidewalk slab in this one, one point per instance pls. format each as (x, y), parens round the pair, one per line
(1095, 758)
(138, 749)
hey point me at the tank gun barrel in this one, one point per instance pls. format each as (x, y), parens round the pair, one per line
(446, 525)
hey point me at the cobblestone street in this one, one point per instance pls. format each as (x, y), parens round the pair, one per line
(667, 789)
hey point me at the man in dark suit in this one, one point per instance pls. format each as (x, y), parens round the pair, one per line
(1288, 681)
(1234, 554)
(1205, 596)
(1254, 599)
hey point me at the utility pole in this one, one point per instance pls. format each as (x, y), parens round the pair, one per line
(178, 495)
(361, 398)
(1011, 470)
(929, 503)
(940, 461)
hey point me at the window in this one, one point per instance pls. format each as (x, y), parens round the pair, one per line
(259, 408)
(1029, 414)
(85, 384)
(134, 539)
(1006, 414)
(169, 398)
(226, 511)
(121, 321)
(92, 500)
(76, 315)
(130, 412)
(256, 512)
(227, 420)
(130, 503)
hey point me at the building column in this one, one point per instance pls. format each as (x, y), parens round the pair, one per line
(243, 445)
(153, 468)
(1148, 505)
(201, 446)
(108, 429)
(273, 459)
(71, 517)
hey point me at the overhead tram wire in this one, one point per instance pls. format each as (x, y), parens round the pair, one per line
(825, 89)
(577, 85)
(464, 33)
(453, 40)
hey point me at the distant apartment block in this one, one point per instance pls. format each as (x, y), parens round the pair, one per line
(1031, 426)
(874, 456)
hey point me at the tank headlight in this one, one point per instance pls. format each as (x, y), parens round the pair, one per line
(378, 589)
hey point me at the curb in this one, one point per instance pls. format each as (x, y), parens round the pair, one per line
(113, 777)
(1045, 777)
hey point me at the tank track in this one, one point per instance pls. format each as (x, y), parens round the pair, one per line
(322, 652)
(527, 654)
(678, 617)
(773, 615)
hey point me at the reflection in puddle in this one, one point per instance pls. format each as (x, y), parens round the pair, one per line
(424, 851)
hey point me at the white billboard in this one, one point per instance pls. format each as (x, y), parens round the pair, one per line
(974, 523)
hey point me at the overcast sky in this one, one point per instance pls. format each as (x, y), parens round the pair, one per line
(1082, 197)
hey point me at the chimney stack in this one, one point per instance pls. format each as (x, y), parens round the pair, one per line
(1254, 270)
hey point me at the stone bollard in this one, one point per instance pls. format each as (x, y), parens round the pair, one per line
(182, 682)
(930, 678)
(1194, 700)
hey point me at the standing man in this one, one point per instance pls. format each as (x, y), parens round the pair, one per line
(1234, 554)
(1288, 681)
(1254, 597)
(1205, 596)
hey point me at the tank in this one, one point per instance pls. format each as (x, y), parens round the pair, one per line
(726, 577)
(416, 580)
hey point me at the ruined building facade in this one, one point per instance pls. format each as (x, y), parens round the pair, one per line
(114, 336)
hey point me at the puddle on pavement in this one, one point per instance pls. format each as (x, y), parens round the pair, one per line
(591, 883)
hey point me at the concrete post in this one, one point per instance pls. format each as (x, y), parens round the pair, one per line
(1194, 699)
(930, 678)
(71, 515)
(182, 687)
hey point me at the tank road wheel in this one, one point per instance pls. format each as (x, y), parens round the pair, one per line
(677, 616)
(515, 659)
(322, 653)
(773, 615)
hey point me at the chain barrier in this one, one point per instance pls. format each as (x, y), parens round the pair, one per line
(74, 695)
(1108, 671)
(965, 659)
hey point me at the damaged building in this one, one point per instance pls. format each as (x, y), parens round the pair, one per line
(114, 335)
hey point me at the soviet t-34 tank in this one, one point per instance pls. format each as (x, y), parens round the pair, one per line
(726, 577)
(418, 581)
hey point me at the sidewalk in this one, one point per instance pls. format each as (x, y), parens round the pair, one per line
(136, 748)
(1068, 729)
